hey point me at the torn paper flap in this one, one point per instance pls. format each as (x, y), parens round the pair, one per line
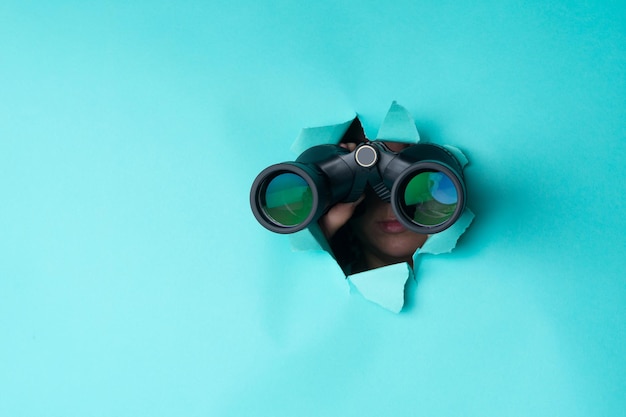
(445, 241)
(383, 286)
(324, 135)
(458, 154)
(398, 126)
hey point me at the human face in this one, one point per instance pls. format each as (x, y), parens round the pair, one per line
(384, 240)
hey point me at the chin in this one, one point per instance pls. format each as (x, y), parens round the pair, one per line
(405, 245)
(399, 250)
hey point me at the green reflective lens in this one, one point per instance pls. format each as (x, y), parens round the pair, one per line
(288, 199)
(430, 198)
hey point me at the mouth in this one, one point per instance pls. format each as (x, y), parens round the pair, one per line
(391, 226)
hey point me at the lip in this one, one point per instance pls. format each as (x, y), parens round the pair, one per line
(391, 226)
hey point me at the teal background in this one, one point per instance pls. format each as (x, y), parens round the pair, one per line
(135, 281)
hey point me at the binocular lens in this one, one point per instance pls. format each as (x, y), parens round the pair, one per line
(287, 199)
(430, 198)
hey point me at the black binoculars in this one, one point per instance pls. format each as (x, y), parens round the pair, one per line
(423, 182)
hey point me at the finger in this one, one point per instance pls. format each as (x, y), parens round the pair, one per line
(359, 200)
(337, 216)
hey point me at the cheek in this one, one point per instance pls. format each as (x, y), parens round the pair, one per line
(360, 229)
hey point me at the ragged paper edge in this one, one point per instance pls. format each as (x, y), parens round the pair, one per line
(445, 242)
(398, 126)
(384, 286)
(322, 135)
(458, 154)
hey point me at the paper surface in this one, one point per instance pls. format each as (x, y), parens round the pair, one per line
(135, 281)
(311, 238)
(304, 240)
(384, 286)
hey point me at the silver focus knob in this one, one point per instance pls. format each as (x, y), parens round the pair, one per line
(366, 156)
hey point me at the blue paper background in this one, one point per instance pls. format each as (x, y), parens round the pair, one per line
(135, 281)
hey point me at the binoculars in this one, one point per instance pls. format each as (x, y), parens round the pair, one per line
(423, 182)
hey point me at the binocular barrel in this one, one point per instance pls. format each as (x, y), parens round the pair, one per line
(424, 184)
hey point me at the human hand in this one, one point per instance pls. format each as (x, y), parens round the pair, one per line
(337, 216)
(340, 213)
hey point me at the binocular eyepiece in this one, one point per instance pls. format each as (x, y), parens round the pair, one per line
(423, 182)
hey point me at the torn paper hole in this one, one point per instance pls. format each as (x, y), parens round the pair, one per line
(385, 285)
